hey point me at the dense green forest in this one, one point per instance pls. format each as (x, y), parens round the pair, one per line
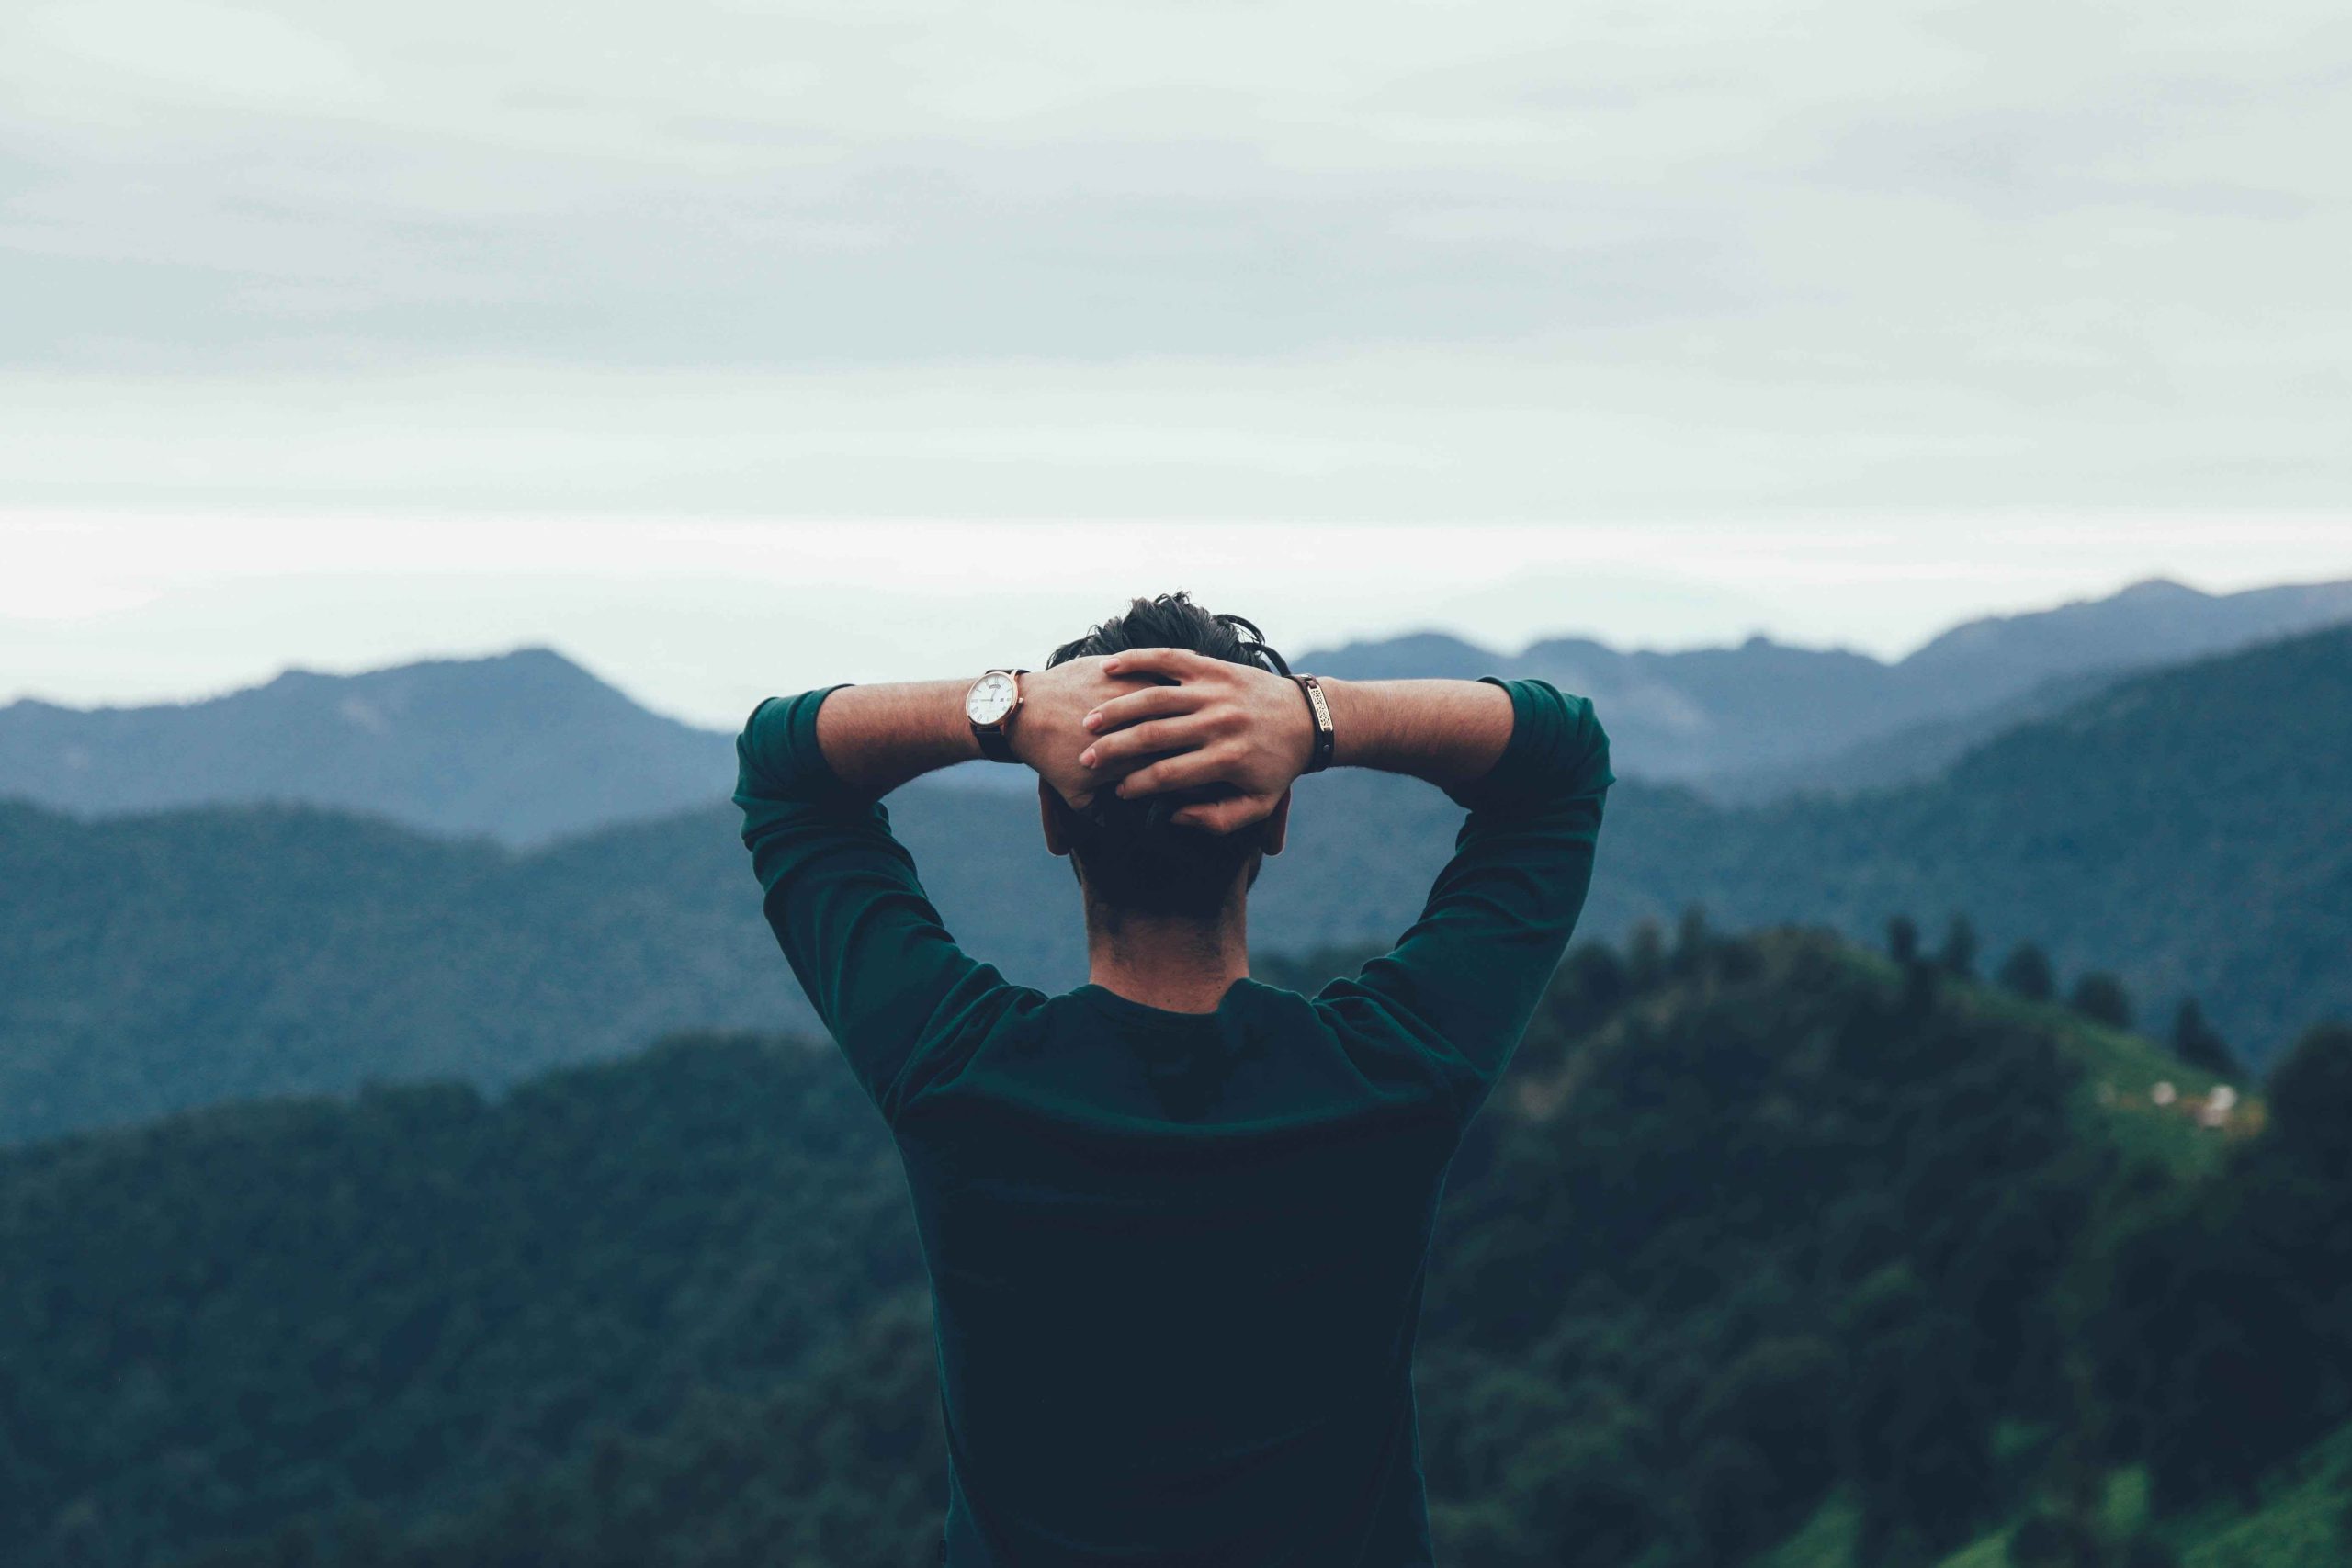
(2191, 830)
(1766, 1242)
(193, 957)
(158, 962)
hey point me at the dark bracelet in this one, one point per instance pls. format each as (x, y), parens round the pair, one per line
(1326, 739)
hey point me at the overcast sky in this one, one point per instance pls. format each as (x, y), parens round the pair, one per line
(440, 322)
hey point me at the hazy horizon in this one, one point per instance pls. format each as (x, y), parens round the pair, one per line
(698, 619)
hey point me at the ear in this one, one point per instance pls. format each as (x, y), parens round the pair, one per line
(1049, 817)
(1277, 827)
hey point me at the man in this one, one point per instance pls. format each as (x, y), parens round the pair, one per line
(1176, 1220)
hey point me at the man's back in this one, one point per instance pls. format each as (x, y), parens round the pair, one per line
(1177, 1261)
(1176, 1257)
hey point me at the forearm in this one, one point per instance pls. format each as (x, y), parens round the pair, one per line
(877, 737)
(1447, 732)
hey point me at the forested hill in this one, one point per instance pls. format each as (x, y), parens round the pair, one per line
(2191, 830)
(192, 957)
(1762, 1238)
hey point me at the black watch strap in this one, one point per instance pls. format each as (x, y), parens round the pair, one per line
(1326, 739)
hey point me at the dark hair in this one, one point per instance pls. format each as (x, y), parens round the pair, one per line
(1133, 855)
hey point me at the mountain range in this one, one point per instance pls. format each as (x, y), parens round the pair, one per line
(525, 747)
(2190, 830)
(529, 748)
(1766, 718)
(1770, 1253)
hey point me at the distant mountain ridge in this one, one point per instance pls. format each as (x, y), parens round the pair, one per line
(524, 747)
(528, 747)
(2190, 830)
(1766, 718)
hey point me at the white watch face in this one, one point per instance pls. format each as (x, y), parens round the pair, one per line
(990, 699)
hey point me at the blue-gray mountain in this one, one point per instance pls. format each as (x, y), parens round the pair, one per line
(1766, 719)
(2190, 830)
(529, 748)
(525, 747)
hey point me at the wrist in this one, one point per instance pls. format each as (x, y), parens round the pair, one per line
(1353, 722)
(1442, 730)
(1045, 697)
(878, 736)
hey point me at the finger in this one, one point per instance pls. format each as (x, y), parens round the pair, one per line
(1187, 769)
(1152, 738)
(1150, 702)
(1176, 663)
(1227, 815)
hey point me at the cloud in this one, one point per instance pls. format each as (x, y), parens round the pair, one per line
(1672, 257)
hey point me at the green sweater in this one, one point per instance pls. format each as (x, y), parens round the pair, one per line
(1176, 1258)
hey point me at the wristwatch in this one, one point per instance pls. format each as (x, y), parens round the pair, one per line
(994, 698)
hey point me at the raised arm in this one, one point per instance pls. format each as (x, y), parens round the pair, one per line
(1530, 764)
(841, 892)
(877, 737)
(1465, 979)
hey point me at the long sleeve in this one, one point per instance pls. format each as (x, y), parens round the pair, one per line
(842, 895)
(1462, 984)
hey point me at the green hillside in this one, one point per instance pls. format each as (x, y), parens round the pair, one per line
(159, 962)
(213, 1324)
(2297, 1519)
(1762, 1240)
(154, 964)
(2191, 830)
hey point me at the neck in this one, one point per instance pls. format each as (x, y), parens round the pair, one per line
(1180, 962)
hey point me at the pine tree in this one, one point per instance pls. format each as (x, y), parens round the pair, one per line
(1903, 940)
(1959, 953)
(2100, 996)
(2027, 972)
(1646, 963)
(1691, 942)
(2199, 1043)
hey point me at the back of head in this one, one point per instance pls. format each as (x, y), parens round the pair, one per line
(1131, 855)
